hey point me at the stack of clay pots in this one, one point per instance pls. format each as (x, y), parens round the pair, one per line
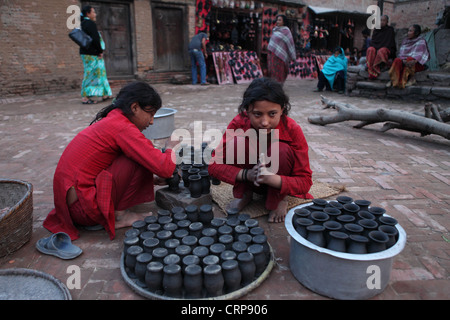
(187, 253)
(346, 225)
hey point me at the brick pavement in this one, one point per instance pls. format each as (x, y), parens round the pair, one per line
(407, 174)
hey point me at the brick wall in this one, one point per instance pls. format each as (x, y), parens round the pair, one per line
(408, 12)
(37, 56)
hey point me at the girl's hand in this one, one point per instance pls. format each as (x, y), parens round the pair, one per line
(158, 181)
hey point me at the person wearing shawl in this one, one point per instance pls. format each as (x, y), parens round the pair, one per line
(334, 72)
(382, 47)
(281, 50)
(412, 56)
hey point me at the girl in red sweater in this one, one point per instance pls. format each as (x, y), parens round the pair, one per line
(110, 166)
(265, 129)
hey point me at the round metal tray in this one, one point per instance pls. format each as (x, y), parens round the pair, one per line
(229, 296)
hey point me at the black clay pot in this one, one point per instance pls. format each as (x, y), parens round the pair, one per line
(363, 204)
(154, 227)
(302, 224)
(335, 204)
(183, 250)
(362, 214)
(231, 275)
(206, 183)
(333, 213)
(350, 208)
(189, 260)
(171, 245)
(210, 232)
(192, 212)
(193, 281)
(172, 259)
(353, 228)
(185, 174)
(377, 212)
(262, 240)
(130, 258)
(316, 235)
(130, 241)
(377, 241)
(195, 229)
(179, 216)
(345, 218)
(357, 244)
(150, 219)
(238, 230)
(232, 212)
(337, 241)
(190, 241)
(200, 252)
(331, 226)
(159, 254)
(319, 217)
(141, 265)
(217, 249)
(392, 233)
(144, 236)
(206, 241)
(150, 244)
(239, 247)
(258, 257)
(213, 280)
(301, 213)
(387, 221)
(206, 214)
(174, 181)
(176, 210)
(251, 223)
(139, 225)
(154, 276)
(227, 240)
(368, 225)
(210, 260)
(320, 202)
(228, 255)
(163, 236)
(247, 267)
(195, 186)
(172, 281)
(344, 199)
(183, 225)
(217, 222)
(243, 217)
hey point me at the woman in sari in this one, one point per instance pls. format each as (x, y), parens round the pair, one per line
(412, 56)
(281, 50)
(333, 73)
(95, 83)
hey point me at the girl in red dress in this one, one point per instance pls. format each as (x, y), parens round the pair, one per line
(110, 166)
(265, 128)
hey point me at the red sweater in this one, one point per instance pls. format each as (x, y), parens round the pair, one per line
(83, 165)
(299, 182)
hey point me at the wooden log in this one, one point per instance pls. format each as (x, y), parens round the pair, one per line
(405, 120)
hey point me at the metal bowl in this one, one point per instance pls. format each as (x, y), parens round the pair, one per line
(340, 275)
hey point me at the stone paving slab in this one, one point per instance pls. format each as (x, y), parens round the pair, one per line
(406, 174)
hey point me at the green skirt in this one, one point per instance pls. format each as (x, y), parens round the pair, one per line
(95, 82)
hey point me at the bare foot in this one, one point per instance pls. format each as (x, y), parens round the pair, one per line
(125, 218)
(279, 213)
(239, 204)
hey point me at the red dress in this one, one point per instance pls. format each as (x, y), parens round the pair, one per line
(85, 165)
(293, 167)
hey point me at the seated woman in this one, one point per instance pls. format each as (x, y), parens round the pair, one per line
(334, 72)
(109, 166)
(263, 126)
(412, 56)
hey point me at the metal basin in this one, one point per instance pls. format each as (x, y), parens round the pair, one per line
(340, 275)
(163, 124)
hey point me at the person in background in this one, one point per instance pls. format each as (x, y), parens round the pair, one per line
(281, 50)
(110, 166)
(263, 116)
(382, 48)
(412, 56)
(198, 54)
(334, 72)
(95, 82)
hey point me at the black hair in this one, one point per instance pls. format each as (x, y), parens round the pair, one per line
(337, 49)
(84, 11)
(138, 91)
(265, 89)
(417, 29)
(285, 20)
(366, 32)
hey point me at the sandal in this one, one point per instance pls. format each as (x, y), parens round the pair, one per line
(89, 101)
(107, 98)
(58, 245)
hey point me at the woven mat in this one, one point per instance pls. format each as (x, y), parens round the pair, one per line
(223, 195)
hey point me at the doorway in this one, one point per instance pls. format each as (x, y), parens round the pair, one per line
(169, 32)
(113, 22)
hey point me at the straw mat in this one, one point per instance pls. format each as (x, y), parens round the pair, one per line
(223, 194)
